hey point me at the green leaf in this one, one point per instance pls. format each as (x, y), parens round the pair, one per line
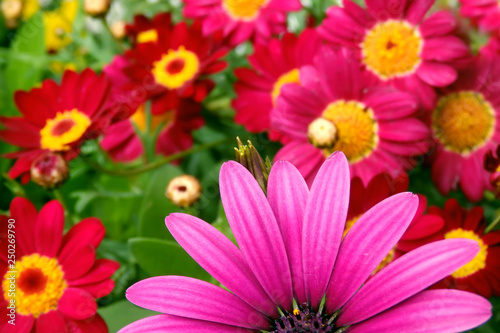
(158, 257)
(122, 313)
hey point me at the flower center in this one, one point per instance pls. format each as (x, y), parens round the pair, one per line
(356, 129)
(479, 261)
(139, 118)
(65, 128)
(176, 68)
(36, 286)
(146, 36)
(289, 77)
(463, 121)
(304, 320)
(392, 48)
(245, 10)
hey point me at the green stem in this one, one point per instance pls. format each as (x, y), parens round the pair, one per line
(493, 224)
(108, 29)
(59, 196)
(156, 164)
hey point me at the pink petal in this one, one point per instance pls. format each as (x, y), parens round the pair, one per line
(417, 10)
(366, 244)
(324, 222)
(432, 311)
(220, 258)
(167, 323)
(437, 74)
(195, 299)
(438, 24)
(51, 322)
(49, 229)
(443, 49)
(408, 275)
(304, 156)
(77, 304)
(256, 231)
(287, 193)
(470, 178)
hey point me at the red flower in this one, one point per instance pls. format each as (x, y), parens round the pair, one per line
(58, 118)
(57, 278)
(144, 30)
(172, 63)
(274, 65)
(481, 275)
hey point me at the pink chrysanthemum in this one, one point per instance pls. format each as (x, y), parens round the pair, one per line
(55, 278)
(336, 109)
(485, 12)
(274, 65)
(241, 20)
(465, 127)
(399, 46)
(291, 256)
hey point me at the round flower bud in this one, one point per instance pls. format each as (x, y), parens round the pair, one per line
(184, 190)
(49, 170)
(322, 133)
(11, 9)
(96, 7)
(118, 29)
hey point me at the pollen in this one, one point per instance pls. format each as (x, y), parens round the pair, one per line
(463, 122)
(356, 129)
(146, 36)
(245, 10)
(289, 77)
(38, 282)
(176, 68)
(67, 127)
(392, 49)
(479, 261)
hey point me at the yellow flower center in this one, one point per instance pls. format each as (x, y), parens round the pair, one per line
(245, 10)
(289, 77)
(176, 68)
(356, 129)
(65, 128)
(392, 48)
(139, 118)
(150, 35)
(35, 284)
(479, 261)
(463, 121)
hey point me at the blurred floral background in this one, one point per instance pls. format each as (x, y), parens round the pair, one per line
(123, 111)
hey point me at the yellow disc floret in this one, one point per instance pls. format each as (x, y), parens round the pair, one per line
(479, 261)
(176, 68)
(139, 118)
(463, 121)
(392, 48)
(146, 36)
(289, 77)
(245, 10)
(356, 129)
(65, 128)
(36, 285)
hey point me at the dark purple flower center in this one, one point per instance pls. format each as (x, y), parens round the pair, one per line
(305, 320)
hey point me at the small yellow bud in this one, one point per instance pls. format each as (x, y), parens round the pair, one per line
(96, 7)
(322, 133)
(118, 29)
(184, 190)
(12, 9)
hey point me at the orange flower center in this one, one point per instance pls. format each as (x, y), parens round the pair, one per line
(158, 122)
(176, 68)
(67, 127)
(356, 129)
(146, 36)
(35, 285)
(479, 261)
(392, 48)
(289, 77)
(463, 121)
(245, 10)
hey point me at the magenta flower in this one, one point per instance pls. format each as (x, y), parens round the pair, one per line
(486, 13)
(291, 256)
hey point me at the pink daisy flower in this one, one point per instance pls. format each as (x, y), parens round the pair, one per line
(241, 20)
(485, 12)
(56, 277)
(291, 256)
(337, 109)
(465, 128)
(399, 46)
(274, 65)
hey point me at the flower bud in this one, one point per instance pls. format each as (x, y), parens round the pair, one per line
(118, 29)
(96, 7)
(184, 190)
(322, 133)
(249, 157)
(49, 170)
(12, 10)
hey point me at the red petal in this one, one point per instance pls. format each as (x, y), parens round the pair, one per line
(77, 304)
(49, 229)
(89, 231)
